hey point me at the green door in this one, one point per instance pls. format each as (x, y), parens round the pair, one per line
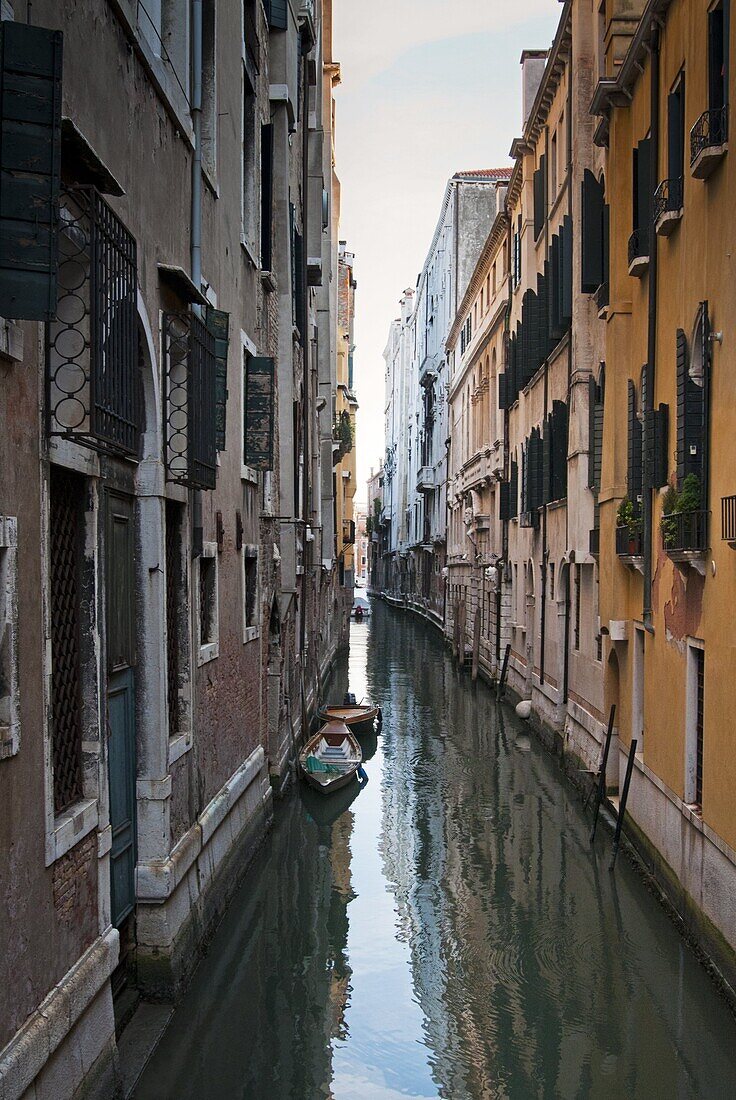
(121, 755)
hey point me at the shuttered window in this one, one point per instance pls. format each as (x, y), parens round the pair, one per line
(676, 130)
(558, 451)
(540, 196)
(277, 14)
(259, 407)
(690, 415)
(718, 38)
(643, 188)
(30, 158)
(592, 234)
(218, 323)
(267, 197)
(596, 396)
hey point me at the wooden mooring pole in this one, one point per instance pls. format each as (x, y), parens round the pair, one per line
(622, 804)
(600, 784)
(504, 671)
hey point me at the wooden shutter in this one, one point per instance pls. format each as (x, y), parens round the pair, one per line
(566, 265)
(559, 450)
(605, 251)
(218, 323)
(675, 131)
(260, 399)
(277, 14)
(634, 472)
(555, 288)
(592, 392)
(30, 163)
(690, 410)
(643, 185)
(267, 197)
(514, 491)
(504, 501)
(546, 461)
(503, 391)
(538, 184)
(660, 437)
(591, 243)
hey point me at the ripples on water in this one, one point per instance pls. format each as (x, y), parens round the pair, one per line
(449, 934)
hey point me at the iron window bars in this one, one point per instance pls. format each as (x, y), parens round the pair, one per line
(92, 368)
(190, 420)
(668, 198)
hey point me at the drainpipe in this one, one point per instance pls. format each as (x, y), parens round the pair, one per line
(652, 328)
(306, 378)
(196, 218)
(545, 548)
(570, 200)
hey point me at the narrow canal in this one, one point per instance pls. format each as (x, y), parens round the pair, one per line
(449, 934)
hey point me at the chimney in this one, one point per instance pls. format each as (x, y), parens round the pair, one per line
(532, 69)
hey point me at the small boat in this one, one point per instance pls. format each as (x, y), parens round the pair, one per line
(360, 718)
(330, 759)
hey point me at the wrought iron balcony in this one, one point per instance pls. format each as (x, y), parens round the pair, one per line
(628, 543)
(190, 370)
(685, 534)
(708, 142)
(667, 206)
(639, 251)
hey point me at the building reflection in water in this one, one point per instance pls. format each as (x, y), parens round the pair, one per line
(538, 972)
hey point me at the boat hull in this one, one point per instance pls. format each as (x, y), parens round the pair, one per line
(359, 720)
(334, 734)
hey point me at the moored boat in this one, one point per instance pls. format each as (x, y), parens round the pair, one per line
(359, 718)
(330, 759)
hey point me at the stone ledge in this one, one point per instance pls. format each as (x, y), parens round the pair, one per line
(45, 1029)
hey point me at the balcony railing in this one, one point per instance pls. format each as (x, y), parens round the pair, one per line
(685, 532)
(628, 543)
(708, 138)
(728, 519)
(601, 297)
(667, 206)
(639, 251)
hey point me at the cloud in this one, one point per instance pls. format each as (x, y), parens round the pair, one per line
(371, 37)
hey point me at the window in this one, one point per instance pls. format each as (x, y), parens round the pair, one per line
(691, 412)
(251, 156)
(676, 131)
(596, 395)
(250, 593)
(551, 580)
(694, 723)
(634, 474)
(540, 196)
(177, 618)
(165, 27)
(66, 536)
(494, 279)
(641, 200)
(207, 604)
(209, 88)
(267, 197)
(9, 702)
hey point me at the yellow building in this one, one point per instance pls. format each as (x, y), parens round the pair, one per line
(667, 504)
(346, 407)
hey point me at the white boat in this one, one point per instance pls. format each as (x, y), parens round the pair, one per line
(330, 759)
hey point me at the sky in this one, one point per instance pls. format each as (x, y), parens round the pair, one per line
(429, 88)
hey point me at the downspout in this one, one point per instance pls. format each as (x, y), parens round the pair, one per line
(570, 200)
(195, 783)
(306, 379)
(543, 608)
(652, 328)
(196, 218)
(506, 451)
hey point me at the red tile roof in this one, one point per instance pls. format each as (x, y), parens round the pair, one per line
(487, 173)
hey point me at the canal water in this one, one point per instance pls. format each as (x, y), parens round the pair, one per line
(447, 933)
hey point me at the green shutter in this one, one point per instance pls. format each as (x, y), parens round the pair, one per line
(218, 324)
(566, 264)
(546, 461)
(634, 472)
(260, 399)
(591, 275)
(266, 197)
(30, 159)
(277, 12)
(504, 502)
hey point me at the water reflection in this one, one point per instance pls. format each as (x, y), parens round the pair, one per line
(446, 931)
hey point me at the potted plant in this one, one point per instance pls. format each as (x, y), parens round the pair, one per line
(674, 504)
(630, 517)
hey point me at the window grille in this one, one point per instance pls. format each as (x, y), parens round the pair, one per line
(191, 401)
(66, 533)
(174, 602)
(92, 361)
(207, 601)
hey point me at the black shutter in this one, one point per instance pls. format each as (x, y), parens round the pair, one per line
(559, 450)
(218, 323)
(514, 491)
(555, 289)
(260, 399)
(592, 392)
(504, 501)
(643, 187)
(266, 197)
(503, 391)
(299, 296)
(546, 496)
(606, 248)
(525, 477)
(633, 476)
(660, 435)
(592, 233)
(566, 262)
(277, 13)
(539, 196)
(675, 131)
(30, 161)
